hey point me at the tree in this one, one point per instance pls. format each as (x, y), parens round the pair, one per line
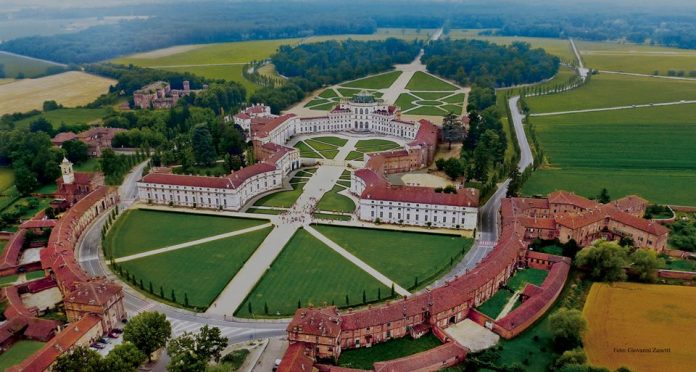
(567, 327)
(202, 141)
(51, 105)
(644, 265)
(76, 151)
(603, 196)
(515, 183)
(604, 261)
(41, 125)
(573, 356)
(25, 179)
(440, 164)
(124, 358)
(148, 331)
(452, 129)
(80, 359)
(192, 352)
(454, 168)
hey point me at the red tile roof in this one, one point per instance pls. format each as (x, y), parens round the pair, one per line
(320, 321)
(263, 130)
(295, 359)
(13, 250)
(425, 195)
(565, 197)
(370, 177)
(96, 292)
(237, 178)
(60, 138)
(37, 224)
(185, 180)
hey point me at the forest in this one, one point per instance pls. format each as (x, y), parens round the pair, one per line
(489, 65)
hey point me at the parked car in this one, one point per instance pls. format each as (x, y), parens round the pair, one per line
(97, 345)
(103, 341)
(113, 335)
(117, 330)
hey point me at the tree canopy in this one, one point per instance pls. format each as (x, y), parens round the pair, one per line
(604, 261)
(148, 331)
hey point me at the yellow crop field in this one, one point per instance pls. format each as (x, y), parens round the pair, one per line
(644, 327)
(70, 89)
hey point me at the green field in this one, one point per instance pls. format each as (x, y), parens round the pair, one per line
(334, 202)
(606, 90)
(355, 155)
(495, 304)
(312, 273)
(364, 358)
(425, 82)
(646, 151)
(35, 275)
(427, 110)
(201, 271)
(306, 151)
(18, 352)
(336, 141)
(558, 47)
(6, 178)
(282, 199)
(69, 116)
(265, 211)
(31, 68)
(335, 217)
(405, 101)
(401, 256)
(381, 81)
(225, 72)
(373, 145)
(143, 230)
(642, 59)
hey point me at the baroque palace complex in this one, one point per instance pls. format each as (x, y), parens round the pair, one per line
(94, 305)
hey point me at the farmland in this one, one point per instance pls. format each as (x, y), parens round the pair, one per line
(393, 253)
(640, 316)
(28, 67)
(67, 116)
(558, 47)
(643, 59)
(143, 230)
(606, 90)
(200, 272)
(69, 89)
(656, 148)
(325, 278)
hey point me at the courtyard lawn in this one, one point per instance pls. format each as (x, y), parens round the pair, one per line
(313, 274)
(381, 81)
(306, 151)
(265, 211)
(282, 199)
(336, 141)
(35, 275)
(364, 358)
(405, 101)
(334, 202)
(7, 280)
(427, 110)
(142, 230)
(328, 216)
(69, 116)
(457, 110)
(606, 90)
(348, 92)
(456, 99)
(373, 145)
(430, 96)
(622, 315)
(654, 158)
(21, 350)
(495, 304)
(401, 256)
(320, 145)
(201, 272)
(677, 264)
(328, 93)
(355, 155)
(426, 82)
(6, 178)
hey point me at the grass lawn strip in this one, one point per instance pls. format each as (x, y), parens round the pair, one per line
(405, 101)
(371, 145)
(328, 93)
(335, 217)
(18, 352)
(306, 151)
(426, 110)
(336, 141)
(425, 82)
(355, 155)
(282, 199)
(312, 273)
(142, 230)
(265, 211)
(495, 304)
(201, 271)
(320, 146)
(400, 256)
(381, 81)
(335, 202)
(456, 99)
(431, 96)
(364, 358)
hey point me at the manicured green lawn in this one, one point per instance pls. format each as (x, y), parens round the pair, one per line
(425, 82)
(401, 256)
(371, 145)
(605, 90)
(348, 92)
(428, 103)
(405, 101)
(21, 350)
(329, 154)
(336, 141)
(328, 93)
(559, 47)
(457, 110)
(676, 264)
(35, 275)
(327, 216)
(364, 358)
(335, 202)
(265, 211)
(355, 155)
(306, 151)
(495, 304)
(381, 81)
(6, 280)
(456, 99)
(50, 188)
(143, 230)
(655, 157)
(3, 243)
(427, 110)
(345, 183)
(200, 271)
(69, 116)
(430, 96)
(6, 178)
(282, 199)
(312, 273)
(319, 145)
(644, 59)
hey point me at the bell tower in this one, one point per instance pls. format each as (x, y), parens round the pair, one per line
(67, 171)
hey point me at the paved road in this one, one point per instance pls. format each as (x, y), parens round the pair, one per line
(525, 152)
(628, 107)
(581, 67)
